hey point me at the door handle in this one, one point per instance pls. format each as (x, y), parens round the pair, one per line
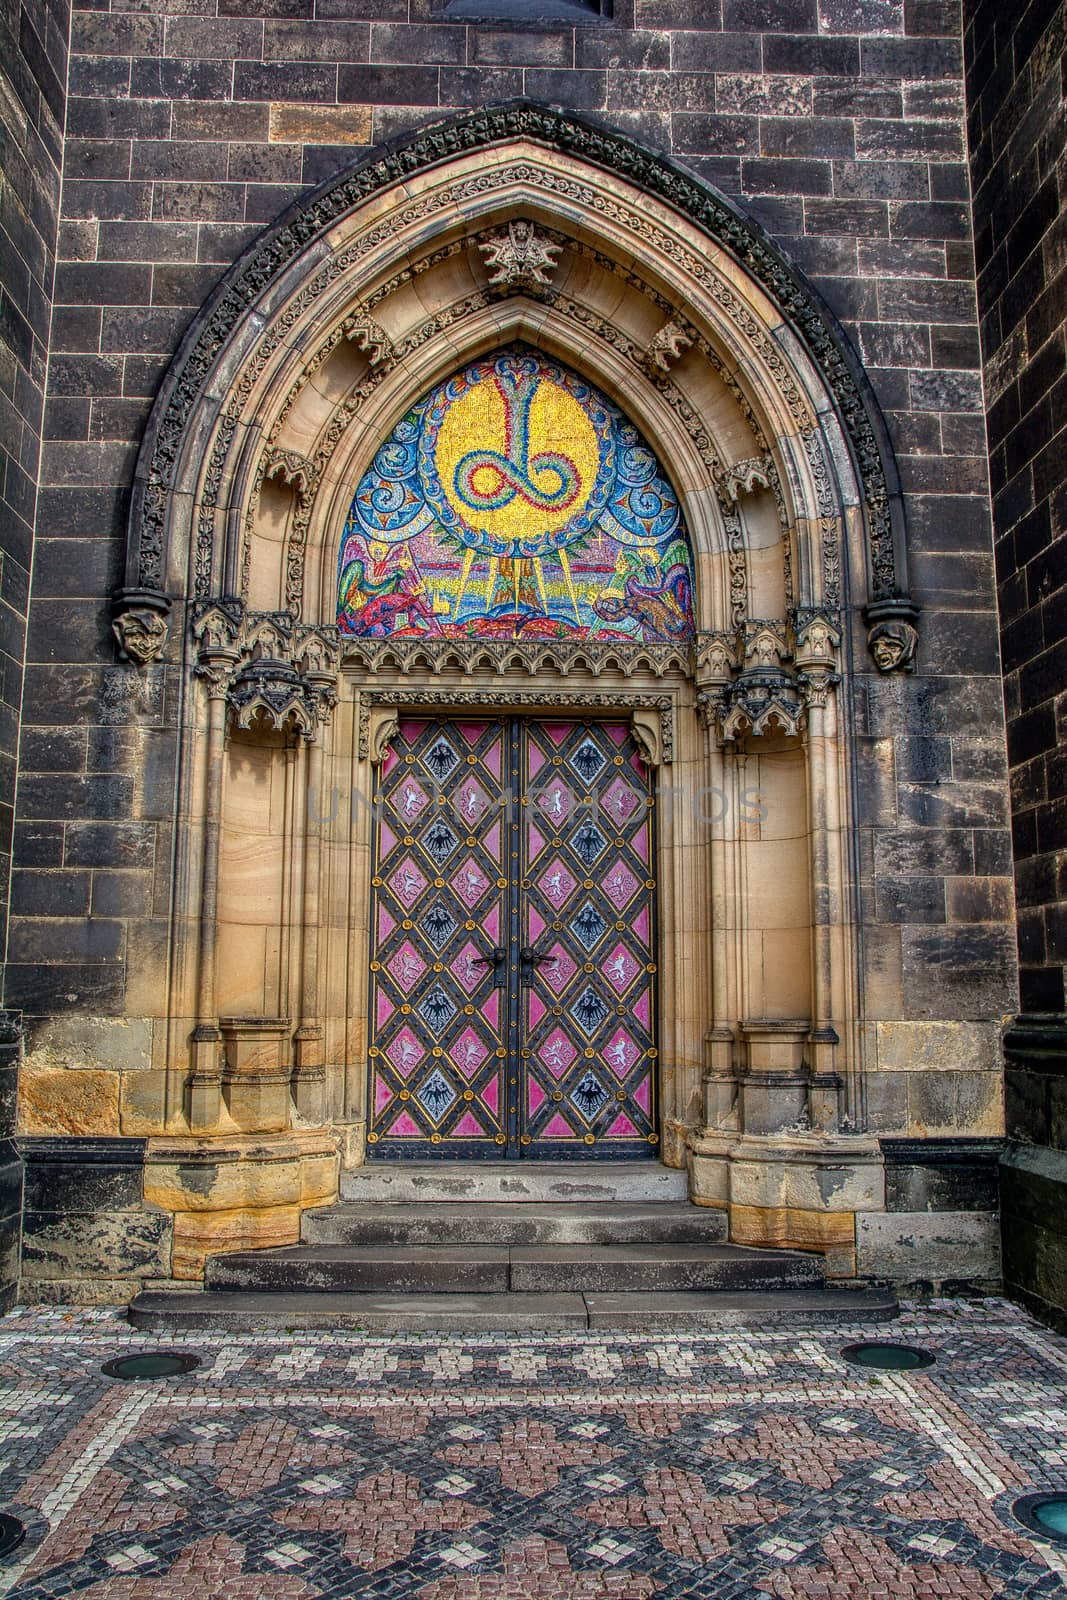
(497, 961)
(531, 959)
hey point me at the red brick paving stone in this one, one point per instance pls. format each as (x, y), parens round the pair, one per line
(259, 1456)
(382, 1520)
(530, 1456)
(864, 1568)
(974, 1437)
(801, 1453)
(655, 1422)
(949, 1497)
(688, 1521)
(111, 1505)
(539, 1569)
(401, 1423)
(208, 1570)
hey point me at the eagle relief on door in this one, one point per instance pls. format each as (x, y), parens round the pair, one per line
(513, 975)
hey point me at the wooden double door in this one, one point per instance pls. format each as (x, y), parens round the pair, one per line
(513, 973)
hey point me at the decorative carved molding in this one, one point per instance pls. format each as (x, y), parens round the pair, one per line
(139, 623)
(560, 657)
(646, 725)
(383, 727)
(267, 666)
(767, 675)
(520, 259)
(360, 329)
(491, 700)
(484, 127)
(745, 477)
(667, 346)
(290, 468)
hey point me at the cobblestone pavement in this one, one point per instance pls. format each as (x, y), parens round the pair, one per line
(499, 1467)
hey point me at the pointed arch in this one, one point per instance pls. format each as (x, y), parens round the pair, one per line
(311, 284)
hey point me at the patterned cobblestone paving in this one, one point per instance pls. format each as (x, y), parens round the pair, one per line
(732, 1465)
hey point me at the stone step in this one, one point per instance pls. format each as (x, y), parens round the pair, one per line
(490, 1222)
(545, 1182)
(497, 1269)
(849, 1309)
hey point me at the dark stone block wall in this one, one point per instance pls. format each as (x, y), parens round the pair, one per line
(1017, 90)
(33, 73)
(840, 125)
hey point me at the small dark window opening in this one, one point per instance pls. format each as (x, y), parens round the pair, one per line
(525, 11)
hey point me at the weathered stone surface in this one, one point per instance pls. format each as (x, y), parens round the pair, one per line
(68, 1244)
(57, 1100)
(948, 1246)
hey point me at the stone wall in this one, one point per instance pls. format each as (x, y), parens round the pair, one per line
(1017, 81)
(839, 124)
(33, 70)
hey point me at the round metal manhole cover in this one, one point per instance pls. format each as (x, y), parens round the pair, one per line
(1043, 1514)
(151, 1364)
(887, 1357)
(12, 1533)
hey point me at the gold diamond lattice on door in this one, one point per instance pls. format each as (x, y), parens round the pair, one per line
(512, 979)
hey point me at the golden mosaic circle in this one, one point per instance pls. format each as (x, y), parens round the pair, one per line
(441, 801)
(524, 1140)
(405, 1094)
(472, 761)
(501, 1052)
(618, 761)
(557, 761)
(620, 844)
(620, 927)
(438, 966)
(470, 926)
(650, 966)
(557, 1011)
(435, 1138)
(499, 1139)
(470, 840)
(468, 1011)
(372, 1138)
(587, 966)
(620, 1094)
(438, 883)
(589, 1054)
(587, 883)
(526, 1054)
(405, 1011)
(374, 1051)
(376, 966)
(650, 883)
(653, 1138)
(501, 883)
(620, 1011)
(437, 1051)
(410, 760)
(557, 927)
(589, 1138)
(376, 882)
(468, 1094)
(557, 1094)
(556, 843)
(409, 838)
(407, 923)
(652, 1054)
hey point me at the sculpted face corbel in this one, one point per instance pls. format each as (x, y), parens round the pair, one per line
(140, 626)
(893, 645)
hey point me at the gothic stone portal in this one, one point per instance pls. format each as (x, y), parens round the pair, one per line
(513, 982)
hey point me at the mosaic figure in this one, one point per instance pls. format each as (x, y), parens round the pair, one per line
(515, 501)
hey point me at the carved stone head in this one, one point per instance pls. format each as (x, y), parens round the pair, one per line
(141, 634)
(893, 645)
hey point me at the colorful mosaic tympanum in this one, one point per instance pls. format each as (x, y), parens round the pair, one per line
(515, 501)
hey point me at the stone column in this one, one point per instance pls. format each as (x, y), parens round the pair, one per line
(309, 1067)
(215, 665)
